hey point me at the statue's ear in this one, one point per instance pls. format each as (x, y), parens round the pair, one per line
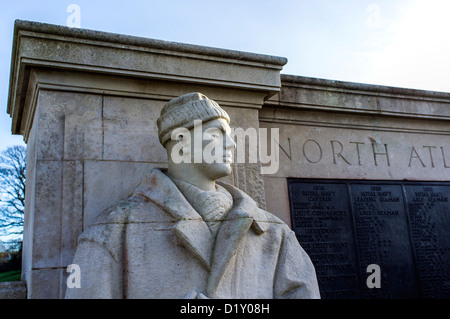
(184, 138)
(181, 151)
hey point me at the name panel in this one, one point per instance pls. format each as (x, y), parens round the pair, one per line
(401, 227)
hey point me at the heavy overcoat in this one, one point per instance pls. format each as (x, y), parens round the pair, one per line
(155, 245)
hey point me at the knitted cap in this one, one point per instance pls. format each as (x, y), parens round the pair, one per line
(183, 110)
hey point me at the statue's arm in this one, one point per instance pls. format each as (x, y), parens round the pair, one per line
(295, 276)
(101, 267)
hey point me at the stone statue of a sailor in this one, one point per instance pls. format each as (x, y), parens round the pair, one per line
(183, 234)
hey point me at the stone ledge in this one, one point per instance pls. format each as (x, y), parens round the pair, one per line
(13, 290)
(53, 47)
(298, 92)
(145, 42)
(362, 88)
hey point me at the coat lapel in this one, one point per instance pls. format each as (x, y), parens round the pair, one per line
(197, 238)
(190, 228)
(192, 231)
(240, 219)
(228, 240)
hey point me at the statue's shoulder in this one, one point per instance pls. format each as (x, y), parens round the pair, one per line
(275, 221)
(271, 218)
(263, 218)
(146, 204)
(111, 221)
(135, 208)
(120, 212)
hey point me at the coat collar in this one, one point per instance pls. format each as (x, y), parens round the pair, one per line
(190, 229)
(246, 207)
(244, 215)
(193, 232)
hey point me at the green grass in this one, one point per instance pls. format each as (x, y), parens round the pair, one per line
(13, 275)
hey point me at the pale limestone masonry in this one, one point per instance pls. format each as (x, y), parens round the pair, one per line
(342, 130)
(86, 103)
(13, 290)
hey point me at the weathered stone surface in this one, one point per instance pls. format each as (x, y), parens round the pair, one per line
(247, 175)
(13, 290)
(58, 47)
(47, 214)
(72, 208)
(69, 126)
(359, 150)
(45, 283)
(130, 131)
(357, 98)
(27, 246)
(278, 202)
(106, 182)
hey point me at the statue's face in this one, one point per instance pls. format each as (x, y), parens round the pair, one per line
(217, 147)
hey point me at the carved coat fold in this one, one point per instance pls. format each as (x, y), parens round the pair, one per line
(155, 245)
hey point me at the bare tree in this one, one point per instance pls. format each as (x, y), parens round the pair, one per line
(12, 190)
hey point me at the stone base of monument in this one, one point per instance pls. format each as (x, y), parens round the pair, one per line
(13, 290)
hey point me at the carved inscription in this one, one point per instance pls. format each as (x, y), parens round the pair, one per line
(403, 227)
(323, 225)
(364, 153)
(383, 239)
(429, 210)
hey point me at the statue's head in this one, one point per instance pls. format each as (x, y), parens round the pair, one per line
(195, 131)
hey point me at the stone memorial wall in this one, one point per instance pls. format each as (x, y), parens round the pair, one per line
(363, 179)
(88, 117)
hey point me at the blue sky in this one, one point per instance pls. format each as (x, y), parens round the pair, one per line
(389, 42)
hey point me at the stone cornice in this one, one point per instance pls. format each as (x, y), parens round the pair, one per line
(44, 46)
(338, 96)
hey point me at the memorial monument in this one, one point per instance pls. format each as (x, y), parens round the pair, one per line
(362, 174)
(181, 234)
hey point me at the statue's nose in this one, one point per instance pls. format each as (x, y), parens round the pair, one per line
(230, 144)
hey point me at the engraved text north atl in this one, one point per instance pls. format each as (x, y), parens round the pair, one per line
(364, 153)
